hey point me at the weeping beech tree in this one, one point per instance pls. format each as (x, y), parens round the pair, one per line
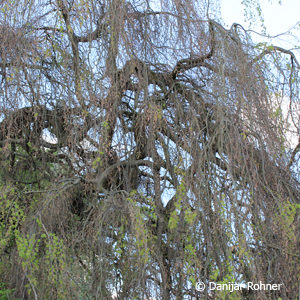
(143, 149)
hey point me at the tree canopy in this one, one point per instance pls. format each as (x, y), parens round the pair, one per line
(143, 149)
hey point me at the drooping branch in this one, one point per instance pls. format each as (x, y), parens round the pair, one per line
(189, 63)
(272, 49)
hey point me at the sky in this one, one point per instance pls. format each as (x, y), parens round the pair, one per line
(278, 19)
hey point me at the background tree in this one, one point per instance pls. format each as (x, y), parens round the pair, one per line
(142, 150)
